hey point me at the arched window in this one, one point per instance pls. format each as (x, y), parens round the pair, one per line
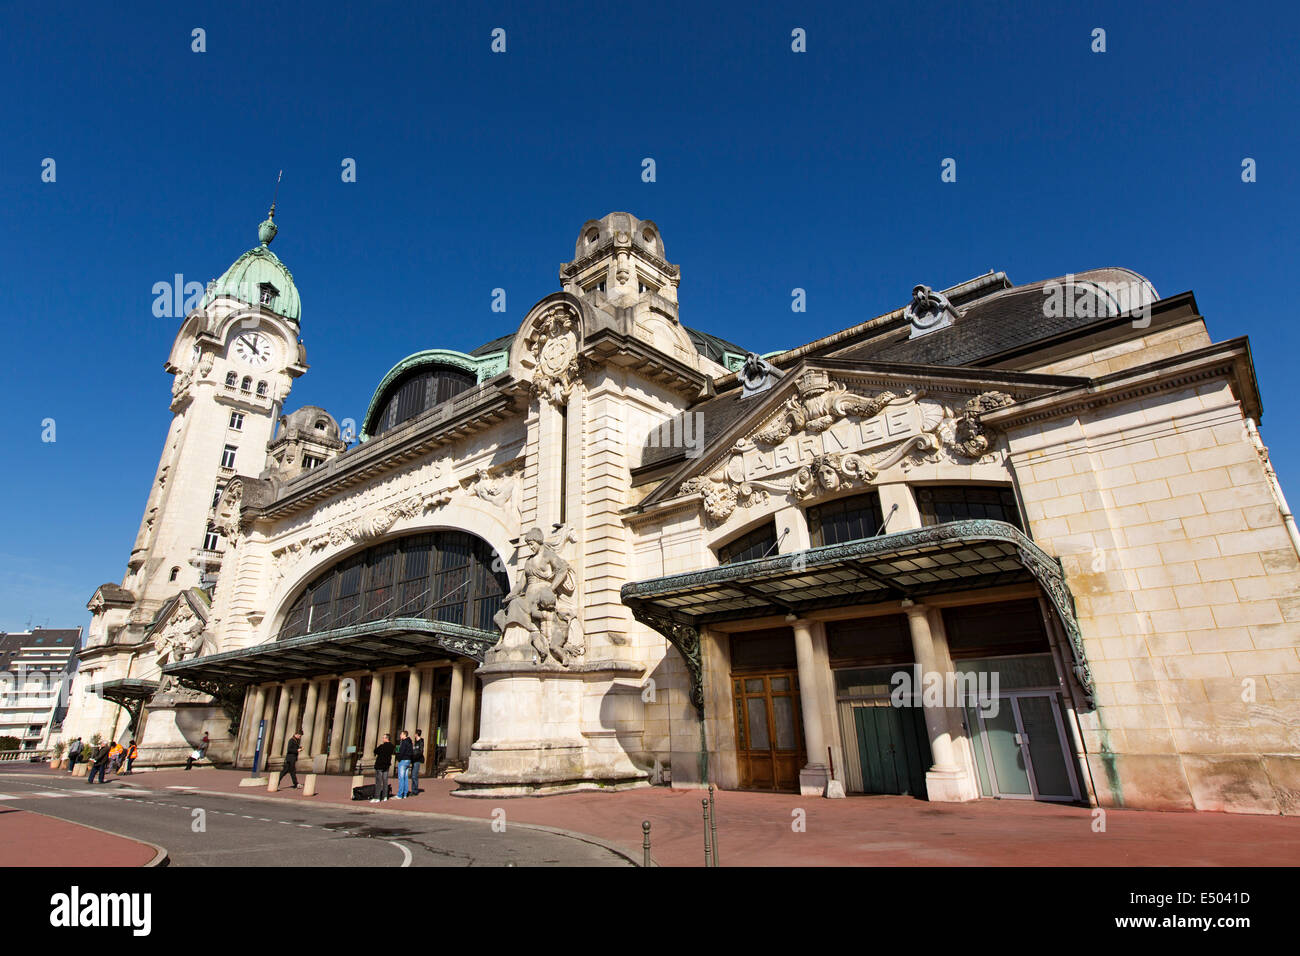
(421, 389)
(847, 519)
(759, 543)
(247, 384)
(176, 572)
(231, 379)
(440, 576)
(321, 425)
(261, 390)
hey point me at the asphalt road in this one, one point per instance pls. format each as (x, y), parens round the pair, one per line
(229, 830)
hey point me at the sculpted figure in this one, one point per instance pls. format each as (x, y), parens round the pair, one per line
(534, 603)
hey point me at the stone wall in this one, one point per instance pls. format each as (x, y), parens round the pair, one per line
(1186, 583)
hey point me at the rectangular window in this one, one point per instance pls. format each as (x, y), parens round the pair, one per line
(210, 540)
(940, 504)
(237, 421)
(849, 519)
(228, 457)
(216, 494)
(310, 461)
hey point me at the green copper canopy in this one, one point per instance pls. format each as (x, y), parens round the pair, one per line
(257, 272)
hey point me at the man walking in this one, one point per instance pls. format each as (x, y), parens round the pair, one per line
(418, 746)
(405, 754)
(74, 754)
(291, 759)
(383, 757)
(99, 763)
(132, 751)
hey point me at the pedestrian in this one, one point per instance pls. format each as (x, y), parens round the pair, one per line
(74, 754)
(199, 752)
(116, 754)
(132, 751)
(99, 763)
(405, 754)
(291, 759)
(418, 762)
(383, 757)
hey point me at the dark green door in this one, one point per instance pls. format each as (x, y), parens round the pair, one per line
(893, 748)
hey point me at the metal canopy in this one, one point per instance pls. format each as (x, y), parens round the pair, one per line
(956, 556)
(359, 647)
(129, 693)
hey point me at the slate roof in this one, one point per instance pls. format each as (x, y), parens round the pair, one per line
(991, 325)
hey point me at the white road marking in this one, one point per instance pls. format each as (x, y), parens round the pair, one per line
(405, 852)
(48, 793)
(11, 796)
(180, 788)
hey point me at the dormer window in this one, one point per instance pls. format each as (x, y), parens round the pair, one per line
(594, 287)
(267, 293)
(320, 425)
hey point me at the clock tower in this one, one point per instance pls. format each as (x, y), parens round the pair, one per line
(232, 364)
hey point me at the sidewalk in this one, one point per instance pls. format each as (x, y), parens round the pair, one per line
(28, 838)
(757, 829)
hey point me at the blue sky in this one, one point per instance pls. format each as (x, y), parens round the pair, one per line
(475, 171)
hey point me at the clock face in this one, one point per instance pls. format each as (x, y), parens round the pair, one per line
(253, 348)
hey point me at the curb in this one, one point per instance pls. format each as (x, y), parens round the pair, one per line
(160, 857)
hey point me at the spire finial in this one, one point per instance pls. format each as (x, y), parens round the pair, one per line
(267, 230)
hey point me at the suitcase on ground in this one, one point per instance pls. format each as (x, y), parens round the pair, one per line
(368, 792)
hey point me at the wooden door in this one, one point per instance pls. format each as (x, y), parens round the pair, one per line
(769, 733)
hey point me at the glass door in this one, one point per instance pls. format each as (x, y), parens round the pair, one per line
(1021, 751)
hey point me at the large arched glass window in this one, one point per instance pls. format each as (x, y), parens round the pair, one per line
(418, 390)
(438, 576)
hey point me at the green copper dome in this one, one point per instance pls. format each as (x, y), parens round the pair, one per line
(259, 277)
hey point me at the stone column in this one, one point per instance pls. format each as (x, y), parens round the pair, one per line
(386, 709)
(424, 714)
(295, 716)
(318, 721)
(308, 719)
(453, 713)
(813, 777)
(276, 744)
(372, 720)
(341, 720)
(254, 712)
(412, 715)
(468, 698)
(946, 781)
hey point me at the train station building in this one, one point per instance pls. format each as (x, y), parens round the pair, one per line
(998, 540)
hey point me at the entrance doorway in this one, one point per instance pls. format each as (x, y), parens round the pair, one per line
(1021, 751)
(769, 738)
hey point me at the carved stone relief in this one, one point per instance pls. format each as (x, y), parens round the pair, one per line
(553, 343)
(827, 438)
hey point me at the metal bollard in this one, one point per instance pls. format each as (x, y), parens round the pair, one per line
(645, 842)
(708, 850)
(713, 825)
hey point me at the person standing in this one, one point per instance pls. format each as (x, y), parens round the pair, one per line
(383, 758)
(99, 763)
(418, 746)
(74, 754)
(132, 751)
(405, 754)
(116, 754)
(291, 759)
